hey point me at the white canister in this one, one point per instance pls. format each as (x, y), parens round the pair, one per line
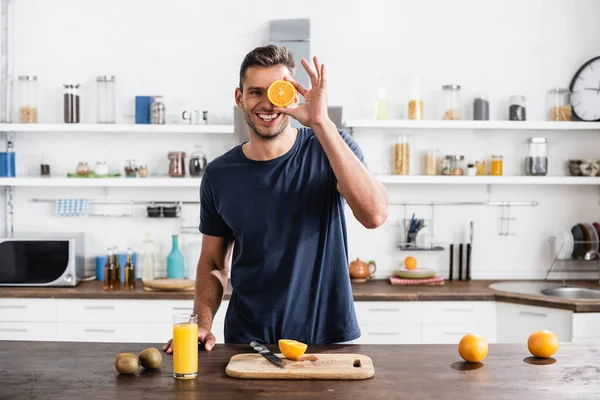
(101, 169)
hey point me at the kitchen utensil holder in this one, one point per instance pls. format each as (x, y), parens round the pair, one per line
(174, 205)
(556, 260)
(408, 240)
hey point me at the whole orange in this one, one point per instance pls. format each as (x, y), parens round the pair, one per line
(472, 348)
(542, 343)
(410, 262)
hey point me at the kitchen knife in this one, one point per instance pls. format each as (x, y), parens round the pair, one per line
(266, 353)
(469, 248)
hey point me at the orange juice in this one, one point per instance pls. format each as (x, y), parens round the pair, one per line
(185, 348)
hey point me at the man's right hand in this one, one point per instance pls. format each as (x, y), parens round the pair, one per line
(204, 336)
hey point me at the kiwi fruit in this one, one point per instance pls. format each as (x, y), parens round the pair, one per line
(150, 358)
(127, 363)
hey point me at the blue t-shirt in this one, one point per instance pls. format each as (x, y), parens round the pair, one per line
(289, 268)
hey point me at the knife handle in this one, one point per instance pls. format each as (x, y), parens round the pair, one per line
(257, 346)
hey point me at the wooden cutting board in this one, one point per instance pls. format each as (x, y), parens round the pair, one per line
(169, 284)
(309, 366)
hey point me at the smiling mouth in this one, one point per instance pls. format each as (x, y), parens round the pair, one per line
(268, 117)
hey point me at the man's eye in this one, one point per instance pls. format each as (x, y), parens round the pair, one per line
(255, 93)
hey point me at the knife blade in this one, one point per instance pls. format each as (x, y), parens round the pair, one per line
(266, 353)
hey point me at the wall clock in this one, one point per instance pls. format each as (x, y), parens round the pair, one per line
(585, 91)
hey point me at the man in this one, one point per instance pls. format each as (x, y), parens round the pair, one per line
(278, 201)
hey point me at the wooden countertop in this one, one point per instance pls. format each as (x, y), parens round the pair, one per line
(380, 290)
(86, 370)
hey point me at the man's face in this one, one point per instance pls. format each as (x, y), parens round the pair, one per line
(253, 101)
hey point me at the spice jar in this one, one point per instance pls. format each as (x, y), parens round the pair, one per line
(130, 169)
(197, 162)
(481, 108)
(105, 93)
(71, 104)
(101, 169)
(536, 162)
(177, 164)
(451, 109)
(415, 105)
(401, 156)
(27, 92)
(431, 162)
(83, 169)
(143, 171)
(516, 110)
(453, 165)
(471, 170)
(159, 112)
(480, 167)
(496, 165)
(559, 104)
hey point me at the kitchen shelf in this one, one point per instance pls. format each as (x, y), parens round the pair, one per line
(474, 125)
(101, 182)
(488, 180)
(190, 182)
(118, 128)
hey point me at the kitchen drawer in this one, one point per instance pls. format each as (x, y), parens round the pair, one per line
(386, 334)
(102, 332)
(441, 312)
(517, 321)
(586, 325)
(20, 310)
(179, 306)
(113, 311)
(452, 333)
(388, 312)
(28, 331)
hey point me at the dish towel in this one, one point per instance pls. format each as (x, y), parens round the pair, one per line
(73, 207)
(435, 280)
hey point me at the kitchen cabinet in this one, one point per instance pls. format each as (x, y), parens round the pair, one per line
(586, 328)
(389, 322)
(449, 321)
(517, 321)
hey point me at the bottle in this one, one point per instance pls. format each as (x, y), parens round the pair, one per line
(159, 112)
(109, 270)
(148, 258)
(415, 105)
(401, 156)
(129, 283)
(381, 106)
(117, 273)
(175, 265)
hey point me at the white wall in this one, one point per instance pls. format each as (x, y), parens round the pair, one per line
(190, 52)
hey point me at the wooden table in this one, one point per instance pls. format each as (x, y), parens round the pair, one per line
(30, 370)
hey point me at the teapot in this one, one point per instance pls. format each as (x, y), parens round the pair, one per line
(361, 270)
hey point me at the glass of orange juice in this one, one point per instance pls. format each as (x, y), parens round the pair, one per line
(185, 346)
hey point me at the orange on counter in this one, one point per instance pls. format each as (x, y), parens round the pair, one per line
(281, 93)
(291, 348)
(542, 343)
(410, 262)
(472, 348)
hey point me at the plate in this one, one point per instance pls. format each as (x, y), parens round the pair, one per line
(594, 236)
(597, 228)
(578, 248)
(587, 237)
(418, 273)
(563, 246)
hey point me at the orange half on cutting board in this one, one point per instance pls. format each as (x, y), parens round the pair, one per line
(281, 93)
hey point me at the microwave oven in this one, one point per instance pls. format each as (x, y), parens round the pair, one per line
(55, 259)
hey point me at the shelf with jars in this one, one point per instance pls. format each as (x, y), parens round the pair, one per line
(117, 128)
(471, 125)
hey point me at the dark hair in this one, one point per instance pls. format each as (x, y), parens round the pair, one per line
(267, 56)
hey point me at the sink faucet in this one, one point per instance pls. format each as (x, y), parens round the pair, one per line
(590, 255)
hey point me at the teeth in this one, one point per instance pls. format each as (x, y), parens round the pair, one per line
(268, 117)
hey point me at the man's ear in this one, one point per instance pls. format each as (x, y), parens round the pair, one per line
(238, 98)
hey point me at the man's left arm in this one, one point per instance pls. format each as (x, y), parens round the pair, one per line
(366, 196)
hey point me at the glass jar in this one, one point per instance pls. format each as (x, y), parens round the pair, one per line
(83, 169)
(143, 171)
(496, 165)
(415, 104)
(480, 167)
(431, 162)
(131, 169)
(536, 162)
(105, 86)
(453, 165)
(177, 164)
(101, 169)
(401, 156)
(159, 112)
(198, 161)
(451, 105)
(559, 104)
(71, 104)
(481, 108)
(516, 110)
(27, 98)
